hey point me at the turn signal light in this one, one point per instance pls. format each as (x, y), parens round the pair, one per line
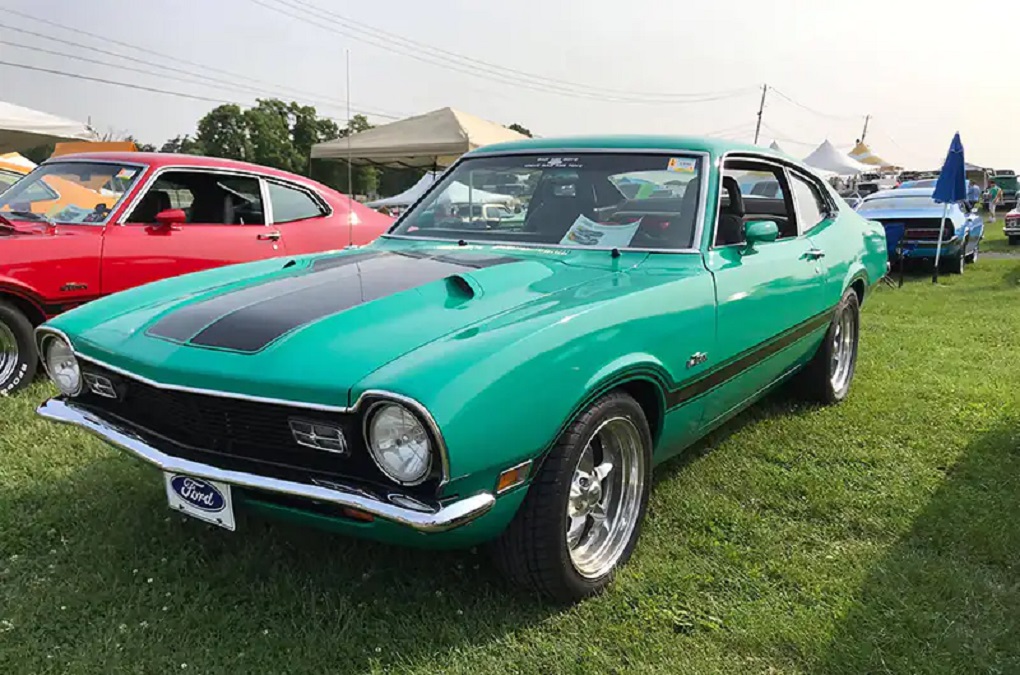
(513, 477)
(355, 514)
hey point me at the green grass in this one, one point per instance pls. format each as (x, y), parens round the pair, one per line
(878, 536)
(995, 240)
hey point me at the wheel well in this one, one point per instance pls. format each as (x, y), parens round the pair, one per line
(31, 312)
(858, 287)
(649, 397)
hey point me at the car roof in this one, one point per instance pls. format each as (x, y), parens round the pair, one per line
(713, 146)
(161, 159)
(903, 192)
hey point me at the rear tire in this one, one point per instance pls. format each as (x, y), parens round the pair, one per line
(555, 545)
(1014, 241)
(954, 265)
(18, 358)
(973, 257)
(827, 377)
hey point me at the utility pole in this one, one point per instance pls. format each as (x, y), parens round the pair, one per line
(761, 109)
(864, 134)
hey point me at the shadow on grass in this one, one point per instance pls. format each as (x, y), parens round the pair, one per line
(103, 574)
(946, 598)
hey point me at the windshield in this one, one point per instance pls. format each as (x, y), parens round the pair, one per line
(8, 178)
(589, 200)
(883, 203)
(70, 192)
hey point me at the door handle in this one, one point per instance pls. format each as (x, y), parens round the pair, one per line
(814, 254)
(270, 236)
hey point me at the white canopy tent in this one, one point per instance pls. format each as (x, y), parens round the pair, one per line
(23, 128)
(436, 138)
(827, 158)
(456, 193)
(775, 146)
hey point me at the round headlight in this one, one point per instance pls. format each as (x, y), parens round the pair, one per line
(62, 365)
(398, 443)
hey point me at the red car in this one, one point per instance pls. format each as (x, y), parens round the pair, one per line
(83, 226)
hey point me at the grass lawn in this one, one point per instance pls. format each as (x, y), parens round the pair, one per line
(995, 239)
(879, 536)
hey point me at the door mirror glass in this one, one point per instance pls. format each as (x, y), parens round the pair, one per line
(760, 231)
(171, 217)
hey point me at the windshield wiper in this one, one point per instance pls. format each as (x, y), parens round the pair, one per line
(35, 216)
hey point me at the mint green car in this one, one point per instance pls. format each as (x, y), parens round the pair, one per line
(463, 380)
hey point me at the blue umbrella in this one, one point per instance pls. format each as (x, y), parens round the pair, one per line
(950, 188)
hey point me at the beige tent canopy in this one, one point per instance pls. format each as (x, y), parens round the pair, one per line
(437, 139)
(23, 128)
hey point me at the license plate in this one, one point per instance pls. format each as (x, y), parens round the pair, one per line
(206, 500)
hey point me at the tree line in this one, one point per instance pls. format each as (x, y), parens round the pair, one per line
(281, 135)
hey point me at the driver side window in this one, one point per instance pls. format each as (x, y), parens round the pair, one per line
(206, 198)
(752, 191)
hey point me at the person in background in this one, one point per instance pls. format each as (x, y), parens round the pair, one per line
(385, 211)
(973, 195)
(992, 198)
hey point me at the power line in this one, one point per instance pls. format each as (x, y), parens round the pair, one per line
(396, 44)
(220, 82)
(78, 76)
(812, 110)
(479, 63)
(131, 85)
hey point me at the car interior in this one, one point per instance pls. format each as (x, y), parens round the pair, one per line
(559, 198)
(205, 198)
(738, 207)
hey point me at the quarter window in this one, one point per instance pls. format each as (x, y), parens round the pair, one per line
(290, 204)
(810, 205)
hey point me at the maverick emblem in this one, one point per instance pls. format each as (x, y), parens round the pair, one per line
(697, 359)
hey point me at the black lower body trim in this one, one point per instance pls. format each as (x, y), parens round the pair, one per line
(734, 367)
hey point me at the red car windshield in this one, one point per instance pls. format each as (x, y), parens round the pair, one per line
(70, 192)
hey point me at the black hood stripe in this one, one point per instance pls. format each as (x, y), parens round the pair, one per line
(250, 319)
(185, 323)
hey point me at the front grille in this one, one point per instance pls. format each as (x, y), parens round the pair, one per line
(236, 434)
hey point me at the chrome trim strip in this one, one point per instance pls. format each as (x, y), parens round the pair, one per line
(368, 394)
(446, 517)
(704, 171)
(267, 207)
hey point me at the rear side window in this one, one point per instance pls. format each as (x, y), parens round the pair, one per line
(811, 207)
(290, 204)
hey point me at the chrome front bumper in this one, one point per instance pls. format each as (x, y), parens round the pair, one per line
(439, 519)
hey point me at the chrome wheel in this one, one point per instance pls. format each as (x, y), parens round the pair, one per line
(844, 347)
(604, 502)
(9, 357)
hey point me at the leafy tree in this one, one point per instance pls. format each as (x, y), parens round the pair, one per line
(520, 129)
(183, 145)
(223, 132)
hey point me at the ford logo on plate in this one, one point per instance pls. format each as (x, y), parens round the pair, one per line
(198, 493)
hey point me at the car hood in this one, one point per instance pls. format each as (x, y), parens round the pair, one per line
(308, 329)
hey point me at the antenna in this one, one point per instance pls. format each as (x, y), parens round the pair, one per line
(350, 170)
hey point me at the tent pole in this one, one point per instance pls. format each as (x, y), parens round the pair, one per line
(938, 247)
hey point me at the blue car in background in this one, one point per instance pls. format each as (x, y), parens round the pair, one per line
(911, 219)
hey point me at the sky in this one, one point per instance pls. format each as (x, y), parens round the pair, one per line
(922, 70)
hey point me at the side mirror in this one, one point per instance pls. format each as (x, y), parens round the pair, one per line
(758, 232)
(171, 218)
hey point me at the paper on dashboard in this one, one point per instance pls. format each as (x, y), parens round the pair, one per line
(586, 232)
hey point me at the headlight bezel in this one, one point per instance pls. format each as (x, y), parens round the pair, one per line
(436, 450)
(45, 338)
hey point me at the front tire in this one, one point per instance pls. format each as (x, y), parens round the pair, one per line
(1014, 240)
(18, 358)
(583, 512)
(828, 375)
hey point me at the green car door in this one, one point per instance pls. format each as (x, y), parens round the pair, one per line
(770, 297)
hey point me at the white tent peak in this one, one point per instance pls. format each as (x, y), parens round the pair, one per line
(828, 158)
(435, 138)
(775, 146)
(456, 192)
(22, 128)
